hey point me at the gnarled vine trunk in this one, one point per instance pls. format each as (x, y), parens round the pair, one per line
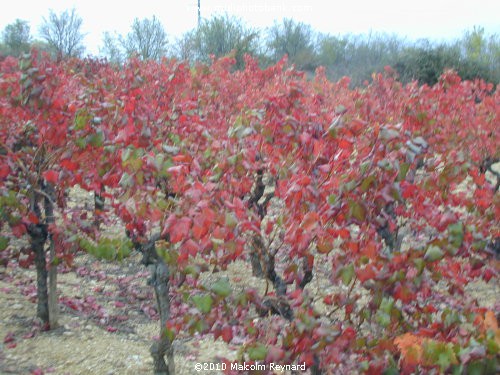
(38, 237)
(49, 198)
(160, 280)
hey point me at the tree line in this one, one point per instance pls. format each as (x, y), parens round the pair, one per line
(475, 55)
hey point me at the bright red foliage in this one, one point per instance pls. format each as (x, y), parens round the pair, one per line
(371, 182)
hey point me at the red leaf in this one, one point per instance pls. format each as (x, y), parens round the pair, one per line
(4, 171)
(32, 218)
(310, 221)
(430, 309)
(305, 138)
(269, 227)
(304, 180)
(328, 300)
(344, 233)
(69, 165)
(227, 333)
(182, 119)
(156, 214)
(318, 148)
(403, 293)
(275, 354)
(191, 247)
(345, 144)
(199, 231)
(324, 246)
(483, 198)
(180, 230)
(408, 190)
(349, 333)
(18, 230)
(181, 158)
(51, 176)
(369, 250)
(366, 273)
(9, 337)
(171, 220)
(488, 274)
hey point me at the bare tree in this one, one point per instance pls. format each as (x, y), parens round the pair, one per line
(111, 48)
(147, 39)
(63, 33)
(184, 47)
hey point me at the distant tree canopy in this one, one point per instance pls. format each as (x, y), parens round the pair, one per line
(357, 56)
(475, 55)
(147, 40)
(294, 39)
(63, 34)
(16, 38)
(219, 36)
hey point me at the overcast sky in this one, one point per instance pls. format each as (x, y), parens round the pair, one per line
(433, 19)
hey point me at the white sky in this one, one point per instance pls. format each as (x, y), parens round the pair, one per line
(433, 19)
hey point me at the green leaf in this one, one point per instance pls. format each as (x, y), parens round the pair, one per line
(367, 182)
(257, 352)
(475, 368)
(491, 342)
(81, 119)
(104, 250)
(440, 353)
(332, 198)
(391, 371)
(97, 139)
(176, 140)
(357, 210)
(349, 186)
(126, 154)
(456, 234)
(126, 180)
(383, 318)
(403, 171)
(233, 159)
(364, 167)
(231, 220)
(221, 287)
(340, 109)
(347, 273)
(433, 253)
(419, 265)
(169, 334)
(203, 303)
(386, 305)
(81, 142)
(4, 241)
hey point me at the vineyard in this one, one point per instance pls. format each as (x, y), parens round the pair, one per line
(283, 219)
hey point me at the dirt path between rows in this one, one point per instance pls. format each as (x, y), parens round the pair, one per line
(108, 321)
